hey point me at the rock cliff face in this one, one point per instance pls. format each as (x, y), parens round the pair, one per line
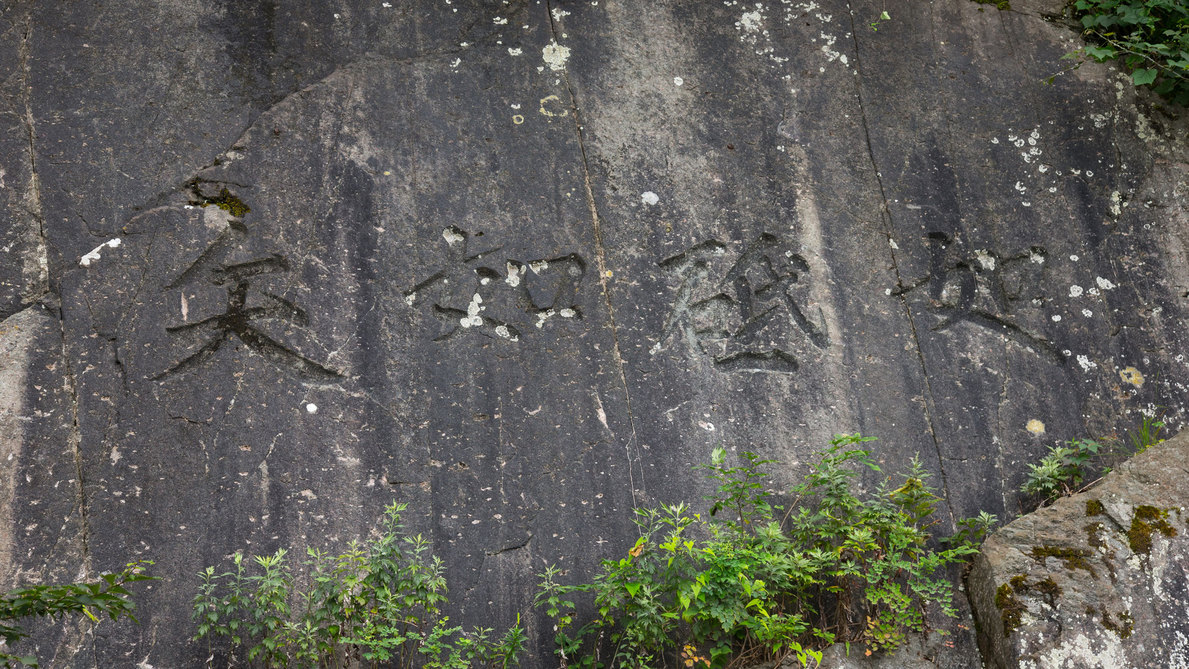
(1095, 580)
(520, 264)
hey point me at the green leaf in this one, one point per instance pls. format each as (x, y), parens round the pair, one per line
(1101, 53)
(1143, 77)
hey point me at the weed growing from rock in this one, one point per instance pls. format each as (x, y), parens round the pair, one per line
(106, 596)
(1062, 470)
(378, 602)
(752, 582)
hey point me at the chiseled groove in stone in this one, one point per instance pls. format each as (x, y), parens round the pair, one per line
(601, 260)
(885, 216)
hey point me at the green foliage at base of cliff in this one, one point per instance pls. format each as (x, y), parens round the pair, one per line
(1149, 37)
(750, 581)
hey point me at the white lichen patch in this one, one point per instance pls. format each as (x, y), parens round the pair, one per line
(828, 49)
(1080, 651)
(567, 313)
(538, 266)
(453, 236)
(1104, 284)
(1101, 120)
(555, 55)
(544, 316)
(502, 331)
(1086, 363)
(985, 259)
(473, 319)
(1143, 129)
(1035, 427)
(1116, 205)
(1075, 290)
(752, 21)
(94, 254)
(515, 51)
(752, 32)
(513, 274)
(649, 198)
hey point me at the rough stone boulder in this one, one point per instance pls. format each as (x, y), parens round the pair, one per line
(1097, 579)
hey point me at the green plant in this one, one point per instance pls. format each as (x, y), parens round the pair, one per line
(1151, 37)
(1147, 434)
(1062, 470)
(378, 602)
(106, 596)
(749, 582)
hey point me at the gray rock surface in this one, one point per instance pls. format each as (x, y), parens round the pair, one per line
(521, 264)
(1098, 579)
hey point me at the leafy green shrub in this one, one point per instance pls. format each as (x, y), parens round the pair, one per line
(378, 602)
(1062, 471)
(750, 582)
(104, 597)
(1150, 36)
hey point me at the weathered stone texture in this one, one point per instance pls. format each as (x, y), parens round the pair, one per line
(1098, 579)
(521, 264)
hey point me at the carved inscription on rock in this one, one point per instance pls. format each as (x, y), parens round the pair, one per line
(245, 305)
(985, 289)
(750, 314)
(492, 294)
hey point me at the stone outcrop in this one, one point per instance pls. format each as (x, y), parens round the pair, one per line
(1098, 579)
(522, 263)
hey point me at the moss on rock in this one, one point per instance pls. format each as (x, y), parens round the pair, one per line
(1146, 521)
(1011, 609)
(1074, 558)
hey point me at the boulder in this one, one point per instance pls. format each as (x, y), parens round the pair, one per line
(1097, 579)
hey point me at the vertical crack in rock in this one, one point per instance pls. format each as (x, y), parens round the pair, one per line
(35, 269)
(886, 217)
(76, 443)
(999, 427)
(601, 261)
